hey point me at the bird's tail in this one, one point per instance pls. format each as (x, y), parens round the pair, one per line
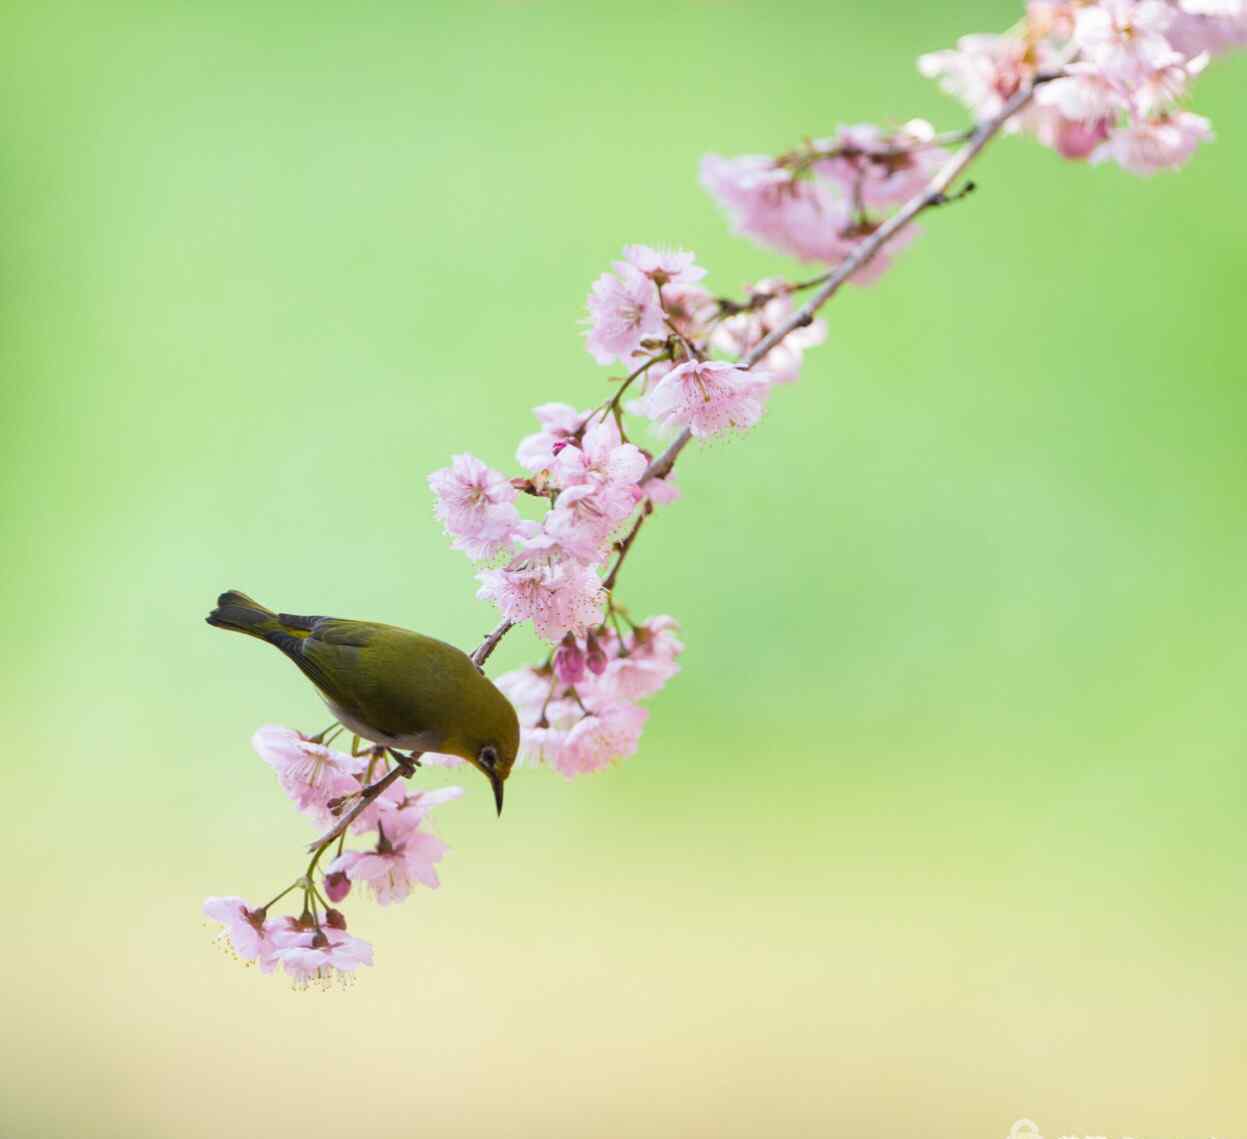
(237, 611)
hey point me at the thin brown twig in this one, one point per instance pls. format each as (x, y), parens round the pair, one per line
(490, 643)
(366, 796)
(728, 306)
(799, 159)
(612, 405)
(624, 546)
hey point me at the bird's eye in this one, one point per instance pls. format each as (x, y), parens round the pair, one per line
(488, 756)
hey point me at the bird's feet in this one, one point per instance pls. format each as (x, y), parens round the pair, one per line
(407, 764)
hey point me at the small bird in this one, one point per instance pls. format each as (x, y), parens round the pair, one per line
(394, 687)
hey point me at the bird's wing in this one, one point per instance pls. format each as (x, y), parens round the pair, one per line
(375, 673)
(329, 653)
(343, 634)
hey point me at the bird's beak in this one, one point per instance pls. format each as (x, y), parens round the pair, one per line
(496, 781)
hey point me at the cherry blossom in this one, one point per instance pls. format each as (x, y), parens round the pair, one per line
(395, 865)
(413, 807)
(546, 716)
(708, 397)
(1070, 138)
(661, 491)
(1222, 8)
(328, 957)
(608, 733)
(543, 744)
(1193, 32)
(560, 423)
(386, 801)
(1074, 115)
(602, 458)
(1158, 90)
(803, 218)
(1151, 145)
(1118, 69)
(309, 772)
(1125, 39)
(663, 266)
(983, 71)
(1051, 19)
(810, 219)
(624, 309)
(477, 506)
(585, 514)
(881, 169)
(599, 478)
(691, 311)
(576, 529)
(528, 689)
(647, 664)
(246, 928)
(577, 722)
(557, 596)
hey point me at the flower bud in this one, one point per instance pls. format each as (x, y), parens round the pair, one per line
(337, 886)
(569, 661)
(335, 919)
(596, 658)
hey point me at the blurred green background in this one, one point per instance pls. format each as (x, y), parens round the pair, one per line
(941, 825)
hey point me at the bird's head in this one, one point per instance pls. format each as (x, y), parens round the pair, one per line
(495, 764)
(495, 743)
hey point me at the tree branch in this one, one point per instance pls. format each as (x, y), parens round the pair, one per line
(624, 546)
(935, 194)
(487, 646)
(366, 796)
(800, 159)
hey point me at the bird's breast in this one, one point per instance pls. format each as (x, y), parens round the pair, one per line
(420, 741)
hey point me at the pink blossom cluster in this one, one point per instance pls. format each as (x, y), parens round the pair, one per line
(1110, 79)
(821, 202)
(311, 953)
(314, 947)
(1113, 75)
(578, 712)
(651, 314)
(591, 478)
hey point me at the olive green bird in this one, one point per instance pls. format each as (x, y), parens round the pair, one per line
(394, 687)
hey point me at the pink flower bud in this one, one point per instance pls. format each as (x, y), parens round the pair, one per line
(596, 659)
(335, 919)
(569, 661)
(337, 886)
